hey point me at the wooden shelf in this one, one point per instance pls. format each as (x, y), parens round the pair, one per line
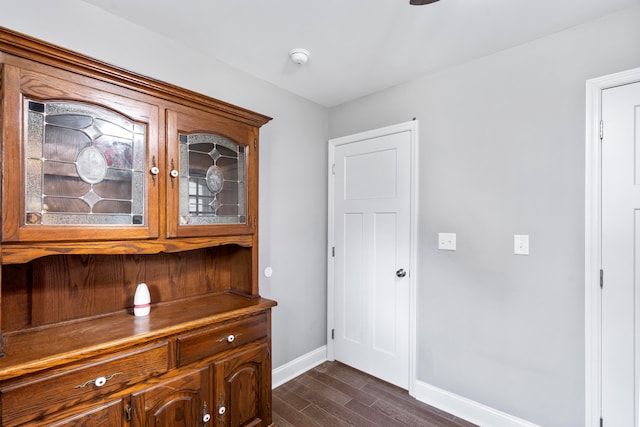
(47, 347)
(17, 253)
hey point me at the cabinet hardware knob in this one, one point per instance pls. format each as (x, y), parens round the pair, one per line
(401, 273)
(174, 173)
(206, 416)
(229, 338)
(99, 382)
(221, 409)
(154, 169)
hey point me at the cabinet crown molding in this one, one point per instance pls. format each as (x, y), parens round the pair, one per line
(25, 46)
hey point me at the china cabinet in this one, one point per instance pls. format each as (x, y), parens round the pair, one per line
(111, 179)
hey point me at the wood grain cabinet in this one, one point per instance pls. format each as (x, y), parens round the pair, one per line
(44, 394)
(212, 174)
(107, 414)
(81, 158)
(111, 179)
(242, 382)
(94, 161)
(179, 401)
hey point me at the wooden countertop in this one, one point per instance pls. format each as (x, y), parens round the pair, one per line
(46, 347)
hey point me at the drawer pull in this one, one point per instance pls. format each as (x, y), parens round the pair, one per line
(99, 382)
(229, 338)
(222, 410)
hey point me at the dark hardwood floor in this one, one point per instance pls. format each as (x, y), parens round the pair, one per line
(333, 394)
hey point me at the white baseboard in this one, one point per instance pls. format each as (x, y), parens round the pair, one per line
(466, 409)
(302, 364)
(459, 406)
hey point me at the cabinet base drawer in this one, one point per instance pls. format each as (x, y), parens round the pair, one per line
(41, 395)
(103, 415)
(205, 343)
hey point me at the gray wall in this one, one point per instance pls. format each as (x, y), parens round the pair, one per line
(293, 152)
(501, 144)
(501, 153)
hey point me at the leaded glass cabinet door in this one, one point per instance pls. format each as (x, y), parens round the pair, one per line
(212, 188)
(85, 167)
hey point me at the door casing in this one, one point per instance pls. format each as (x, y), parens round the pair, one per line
(593, 253)
(412, 127)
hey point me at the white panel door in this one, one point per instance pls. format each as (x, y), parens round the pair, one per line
(372, 237)
(620, 254)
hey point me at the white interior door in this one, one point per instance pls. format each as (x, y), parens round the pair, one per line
(372, 202)
(620, 254)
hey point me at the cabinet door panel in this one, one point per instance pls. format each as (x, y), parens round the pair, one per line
(212, 180)
(79, 161)
(177, 401)
(242, 388)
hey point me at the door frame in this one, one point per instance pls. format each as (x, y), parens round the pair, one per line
(412, 128)
(593, 249)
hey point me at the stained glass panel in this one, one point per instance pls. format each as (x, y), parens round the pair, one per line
(212, 180)
(84, 165)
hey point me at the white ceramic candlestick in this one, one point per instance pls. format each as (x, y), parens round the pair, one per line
(142, 300)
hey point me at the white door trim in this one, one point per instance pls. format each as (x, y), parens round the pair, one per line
(412, 127)
(593, 255)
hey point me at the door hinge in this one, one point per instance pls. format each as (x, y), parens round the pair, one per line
(127, 412)
(333, 169)
(601, 279)
(601, 129)
(333, 251)
(255, 143)
(333, 334)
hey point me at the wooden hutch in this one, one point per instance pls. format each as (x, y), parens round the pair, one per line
(111, 179)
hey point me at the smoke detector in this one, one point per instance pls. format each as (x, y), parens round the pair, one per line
(299, 56)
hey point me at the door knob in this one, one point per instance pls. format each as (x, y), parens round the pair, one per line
(401, 273)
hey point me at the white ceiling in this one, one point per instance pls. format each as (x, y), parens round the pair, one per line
(357, 46)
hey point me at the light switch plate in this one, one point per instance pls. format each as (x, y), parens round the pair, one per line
(521, 244)
(447, 241)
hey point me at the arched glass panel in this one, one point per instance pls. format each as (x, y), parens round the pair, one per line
(212, 180)
(84, 165)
